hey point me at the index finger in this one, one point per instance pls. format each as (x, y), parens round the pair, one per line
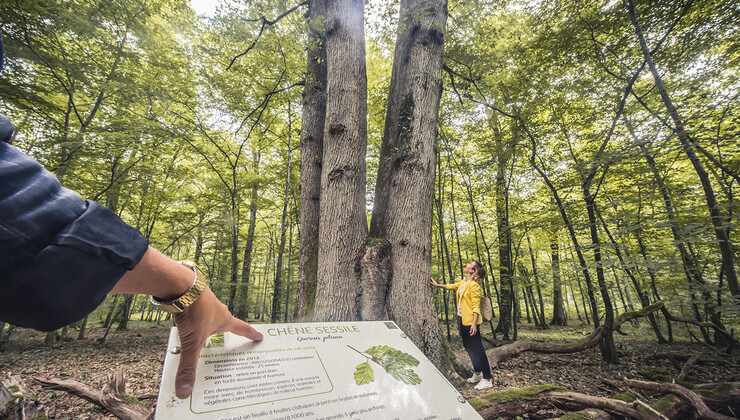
(240, 327)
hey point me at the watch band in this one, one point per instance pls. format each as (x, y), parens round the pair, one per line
(178, 305)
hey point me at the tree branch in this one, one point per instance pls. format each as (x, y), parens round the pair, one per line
(265, 22)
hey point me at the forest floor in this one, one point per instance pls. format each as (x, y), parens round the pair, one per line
(141, 352)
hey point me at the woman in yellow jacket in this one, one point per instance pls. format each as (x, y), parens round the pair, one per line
(469, 317)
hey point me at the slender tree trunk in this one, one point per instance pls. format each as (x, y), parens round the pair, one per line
(108, 318)
(83, 329)
(444, 252)
(242, 311)
(454, 224)
(720, 230)
(609, 350)
(234, 266)
(504, 243)
(290, 269)
(575, 302)
(642, 295)
(539, 289)
(558, 313)
(312, 139)
(126, 313)
(278, 290)
(198, 242)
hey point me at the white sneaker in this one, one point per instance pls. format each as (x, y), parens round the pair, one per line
(484, 384)
(477, 376)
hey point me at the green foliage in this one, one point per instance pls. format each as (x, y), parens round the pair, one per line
(364, 373)
(395, 362)
(147, 108)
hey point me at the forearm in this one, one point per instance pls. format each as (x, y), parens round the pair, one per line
(156, 275)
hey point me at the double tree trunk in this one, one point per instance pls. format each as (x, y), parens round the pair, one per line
(395, 262)
(312, 140)
(342, 220)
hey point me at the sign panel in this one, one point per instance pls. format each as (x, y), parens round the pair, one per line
(313, 371)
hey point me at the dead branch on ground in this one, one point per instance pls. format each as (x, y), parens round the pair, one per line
(111, 397)
(695, 400)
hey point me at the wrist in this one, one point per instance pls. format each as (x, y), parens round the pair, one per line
(179, 303)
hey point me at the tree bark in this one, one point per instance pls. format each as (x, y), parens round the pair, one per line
(312, 140)
(404, 194)
(342, 219)
(559, 290)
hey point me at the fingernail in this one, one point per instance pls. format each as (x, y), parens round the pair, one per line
(184, 390)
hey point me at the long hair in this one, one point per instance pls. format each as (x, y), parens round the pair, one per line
(480, 272)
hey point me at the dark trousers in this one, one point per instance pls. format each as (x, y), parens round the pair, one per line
(474, 347)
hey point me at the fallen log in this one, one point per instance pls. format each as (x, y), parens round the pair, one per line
(732, 386)
(695, 400)
(111, 397)
(510, 351)
(702, 360)
(513, 403)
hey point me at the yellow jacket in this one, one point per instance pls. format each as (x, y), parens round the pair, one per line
(469, 301)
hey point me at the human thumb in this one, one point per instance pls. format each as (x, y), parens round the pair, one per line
(186, 372)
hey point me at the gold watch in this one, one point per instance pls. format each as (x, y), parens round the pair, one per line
(178, 305)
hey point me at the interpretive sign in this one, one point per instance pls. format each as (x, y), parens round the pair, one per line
(322, 371)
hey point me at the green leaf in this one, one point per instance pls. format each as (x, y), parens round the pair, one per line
(402, 358)
(377, 351)
(399, 357)
(364, 373)
(405, 375)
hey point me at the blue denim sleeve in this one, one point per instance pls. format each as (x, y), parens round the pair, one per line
(60, 255)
